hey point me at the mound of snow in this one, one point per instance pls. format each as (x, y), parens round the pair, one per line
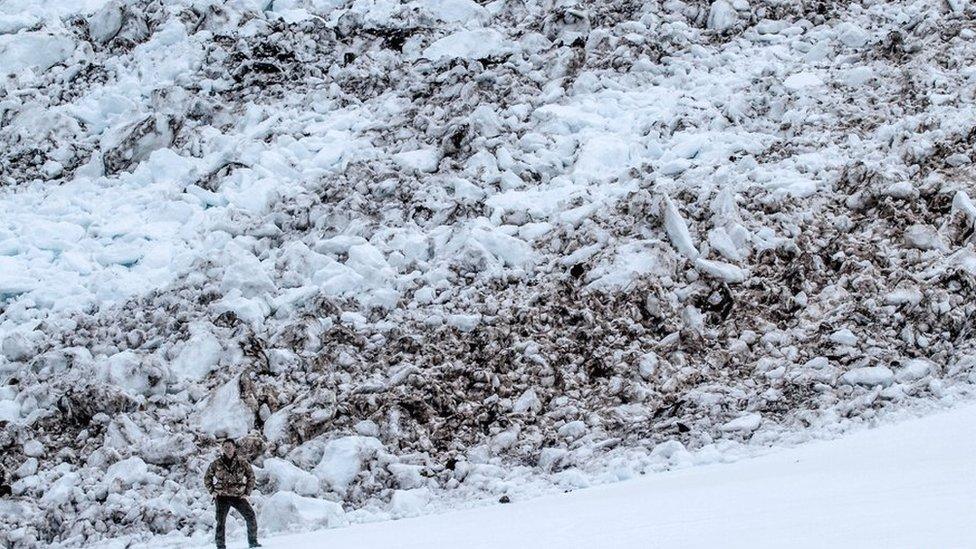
(286, 476)
(343, 458)
(409, 503)
(288, 510)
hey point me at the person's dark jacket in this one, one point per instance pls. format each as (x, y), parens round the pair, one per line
(229, 477)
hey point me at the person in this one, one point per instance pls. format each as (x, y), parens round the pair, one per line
(230, 480)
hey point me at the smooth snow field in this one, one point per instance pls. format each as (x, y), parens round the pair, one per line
(911, 485)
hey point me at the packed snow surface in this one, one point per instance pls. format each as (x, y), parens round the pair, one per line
(902, 486)
(415, 253)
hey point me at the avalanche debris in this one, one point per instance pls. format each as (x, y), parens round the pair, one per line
(409, 250)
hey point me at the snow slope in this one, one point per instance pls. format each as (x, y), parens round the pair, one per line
(905, 485)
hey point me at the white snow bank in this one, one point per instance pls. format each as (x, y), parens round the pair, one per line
(802, 80)
(915, 369)
(9, 410)
(721, 16)
(287, 510)
(51, 8)
(409, 503)
(603, 156)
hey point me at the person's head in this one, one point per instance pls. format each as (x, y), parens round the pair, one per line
(229, 448)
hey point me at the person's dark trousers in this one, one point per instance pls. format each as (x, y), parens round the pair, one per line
(224, 503)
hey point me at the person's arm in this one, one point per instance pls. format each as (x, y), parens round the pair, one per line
(208, 478)
(249, 471)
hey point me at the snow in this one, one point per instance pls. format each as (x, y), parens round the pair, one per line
(461, 11)
(342, 460)
(869, 375)
(287, 510)
(105, 23)
(128, 471)
(602, 157)
(677, 228)
(421, 160)
(843, 337)
(33, 448)
(199, 355)
(852, 35)
(285, 476)
(721, 16)
(127, 371)
(803, 80)
(550, 244)
(746, 423)
(903, 485)
(409, 503)
(223, 414)
(528, 401)
(36, 51)
(470, 44)
(572, 430)
(9, 410)
(725, 272)
(964, 204)
(52, 8)
(915, 369)
(64, 490)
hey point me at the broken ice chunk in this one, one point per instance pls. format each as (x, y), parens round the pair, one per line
(420, 160)
(904, 296)
(915, 369)
(471, 44)
(922, 237)
(720, 270)
(843, 337)
(744, 424)
(869, 376)
(721, 16)
(677, 229)
(802, 81)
